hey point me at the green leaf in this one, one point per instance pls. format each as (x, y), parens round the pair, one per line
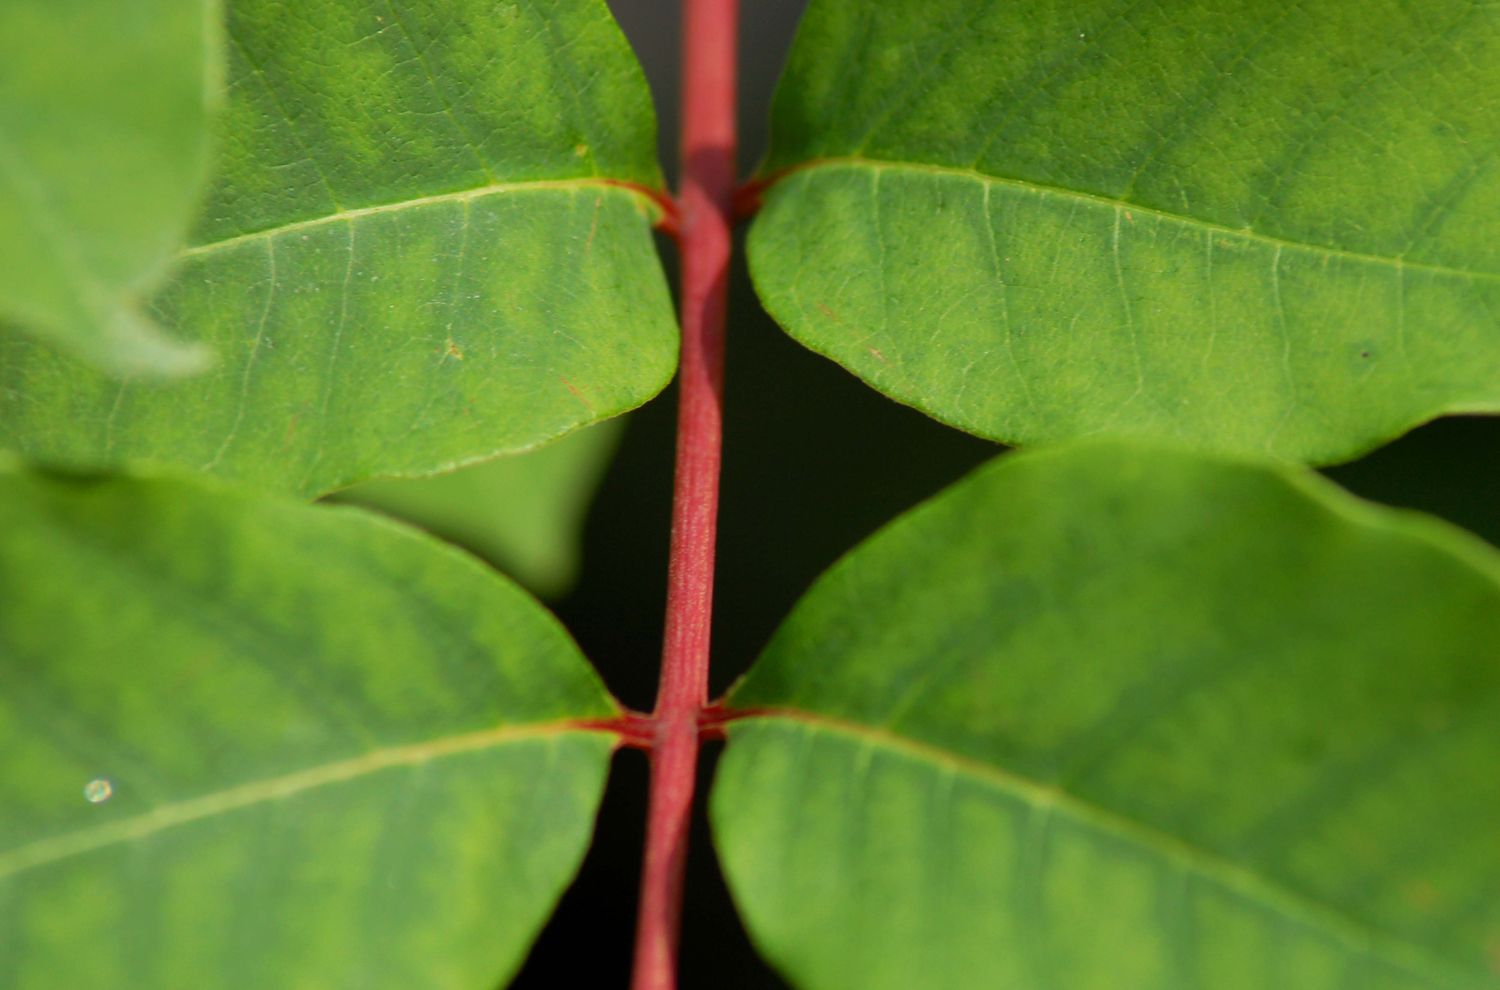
(1240, 227)
(104, 120)
(1105, 717)
(258, 744)
(524, 513)
(418, 253)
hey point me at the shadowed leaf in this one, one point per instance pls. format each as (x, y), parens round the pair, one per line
(524, 512)
(103, 155)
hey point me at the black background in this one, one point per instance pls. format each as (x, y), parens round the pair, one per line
(814, 462)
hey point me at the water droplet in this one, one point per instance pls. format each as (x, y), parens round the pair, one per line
(98, 791)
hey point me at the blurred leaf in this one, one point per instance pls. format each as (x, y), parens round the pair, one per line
(103, 155)
(1107, 717)
(1245, 228)
(524, 513)
(256, 744)
(417, 253)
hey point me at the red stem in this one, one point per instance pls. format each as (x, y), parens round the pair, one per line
(705, 214)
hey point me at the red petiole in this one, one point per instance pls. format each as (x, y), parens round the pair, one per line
(704, 216)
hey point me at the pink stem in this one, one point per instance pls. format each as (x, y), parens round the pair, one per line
(705, 215)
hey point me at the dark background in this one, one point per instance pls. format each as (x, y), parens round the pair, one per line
(814, 462)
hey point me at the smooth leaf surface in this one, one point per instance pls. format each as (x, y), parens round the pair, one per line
(417, 253)
(524, 513)
(254, 744)
(1242, 228)
(104, 126)
(1105, 717)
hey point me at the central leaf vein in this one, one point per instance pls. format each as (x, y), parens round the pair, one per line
(461, 196)
(52, 849)
(1048, 800)
(1042, 189)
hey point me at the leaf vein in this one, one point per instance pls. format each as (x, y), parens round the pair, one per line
(1233, 877)
(1042, 189)
(416, 202)
(53, 849)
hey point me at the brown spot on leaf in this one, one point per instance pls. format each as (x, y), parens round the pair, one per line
(573, 390)
(1435, 718)
(828, 312)
(451, 349)
(1421, 895)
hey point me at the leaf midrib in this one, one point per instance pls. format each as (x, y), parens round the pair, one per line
(1228, 874)
(55, 848)
(1043, 189)
(458, 196)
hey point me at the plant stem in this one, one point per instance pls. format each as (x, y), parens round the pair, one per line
(705, 215)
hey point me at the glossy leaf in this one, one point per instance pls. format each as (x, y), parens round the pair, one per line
(1243, 228)
(524, 513)
(104, 123)
(417, 253)
(1106, 717)
(253, 744)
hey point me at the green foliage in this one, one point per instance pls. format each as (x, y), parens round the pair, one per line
(1107, 717)
(1249, 229)
(103, 154)
(524, 513)
(413, 257)
(250, 743)
(1165, 712)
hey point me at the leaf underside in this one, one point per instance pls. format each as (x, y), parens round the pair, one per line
(104, 125)
(417, 253)
(1239, 228)
(1112, 717)
(254, 744)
